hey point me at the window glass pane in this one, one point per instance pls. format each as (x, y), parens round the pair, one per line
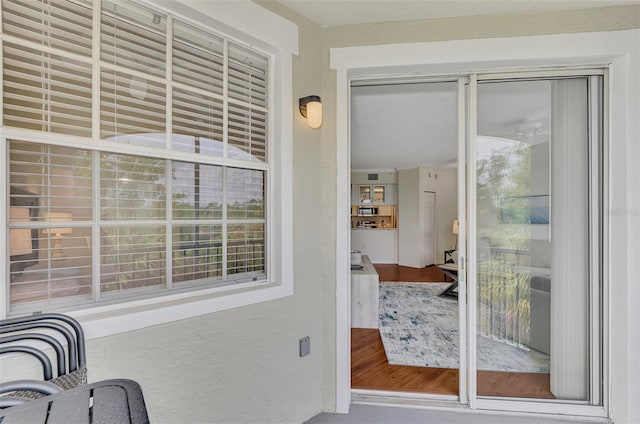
(197, 191)
(217, 99)
(57, 178)
(197, 252)
(245, 248)
(133, 109)
(248, 72)
(59, 269)
(198, 123)
(198, 58)
(378, 194)
(46, 92)
(247, 134)
(133, 36)
(63, 25)
(245, 196)
(132, 257)
(533, 237)
(132, 187)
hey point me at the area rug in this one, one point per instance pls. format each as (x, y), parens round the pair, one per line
(420, 328)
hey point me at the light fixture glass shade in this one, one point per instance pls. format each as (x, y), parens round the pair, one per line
(20, 238)
(454, 230)
(314, 114)
(55, 217)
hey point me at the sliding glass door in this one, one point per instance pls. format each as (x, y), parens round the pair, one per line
(535, 217)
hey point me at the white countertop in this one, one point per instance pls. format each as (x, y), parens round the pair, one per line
(367, 269)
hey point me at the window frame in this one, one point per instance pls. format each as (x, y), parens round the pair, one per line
(276, 38)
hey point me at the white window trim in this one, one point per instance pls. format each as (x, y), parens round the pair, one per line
(619, 49)
(278, 37)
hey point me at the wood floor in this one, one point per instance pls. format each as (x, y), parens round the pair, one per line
(370, 369)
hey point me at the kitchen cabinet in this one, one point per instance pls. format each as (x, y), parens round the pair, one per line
(374, 194)
(381, 216)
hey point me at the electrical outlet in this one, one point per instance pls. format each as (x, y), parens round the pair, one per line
(305, 346)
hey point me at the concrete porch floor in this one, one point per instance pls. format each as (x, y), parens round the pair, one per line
(366, 414)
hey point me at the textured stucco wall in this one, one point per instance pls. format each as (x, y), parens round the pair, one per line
(242, 365)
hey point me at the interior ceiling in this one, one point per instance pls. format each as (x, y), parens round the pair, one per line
(405, 125)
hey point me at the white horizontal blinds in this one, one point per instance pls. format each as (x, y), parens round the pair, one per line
(245, 251)
(245, 194)
(219, 103)
(197, 123)
(248, 102)
(60, 24)
(132, 188)
(197, 252)
(132, 258)
(132, 100)
(198, 77)
(132, 109)
(46, 92)
(245, 228)
(197, 237)
(197, 191)
(45, 89)
(133, 36)
(198, 58)
(50, 200)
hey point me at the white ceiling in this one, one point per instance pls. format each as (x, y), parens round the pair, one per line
(406, 125)
(344, 12)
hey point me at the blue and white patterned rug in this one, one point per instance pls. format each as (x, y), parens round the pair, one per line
(420, 328)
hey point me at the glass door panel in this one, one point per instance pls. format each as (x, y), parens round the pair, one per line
(378, 194)
(365, 194)
(532, 239)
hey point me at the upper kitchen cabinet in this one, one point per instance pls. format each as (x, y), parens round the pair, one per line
(374, 188)
(379, 194)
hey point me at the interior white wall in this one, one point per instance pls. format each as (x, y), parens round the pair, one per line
(384, 177)
(409, 218)
(444, 182)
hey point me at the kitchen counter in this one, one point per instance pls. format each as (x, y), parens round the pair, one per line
(380, 244)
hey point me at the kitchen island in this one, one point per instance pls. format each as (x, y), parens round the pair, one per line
(364, 296)
(380, 244)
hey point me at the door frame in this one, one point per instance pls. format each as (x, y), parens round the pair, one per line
(612, 49)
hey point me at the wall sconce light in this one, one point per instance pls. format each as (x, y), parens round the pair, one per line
(311, 108)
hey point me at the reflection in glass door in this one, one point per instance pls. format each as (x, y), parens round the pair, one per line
(535, 271)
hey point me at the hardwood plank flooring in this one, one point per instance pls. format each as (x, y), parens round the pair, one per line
(393, 272)
(370, 369)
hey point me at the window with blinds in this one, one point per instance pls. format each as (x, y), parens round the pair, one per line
(137, 163)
